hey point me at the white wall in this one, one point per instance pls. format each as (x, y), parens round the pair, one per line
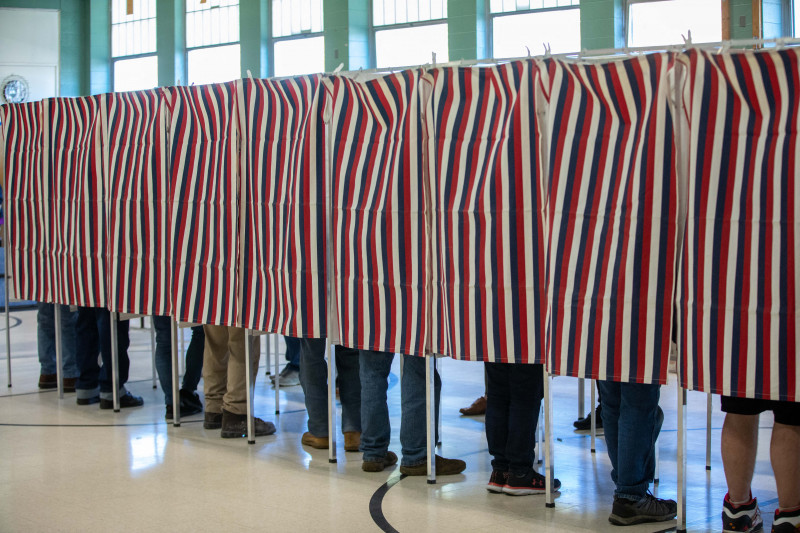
(29, 48)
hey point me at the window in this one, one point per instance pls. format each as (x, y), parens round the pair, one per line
(408, 32)
(795, 19)
(523, 26)
(212, 41)
(665, 22)
(133, 44)
(298, 43)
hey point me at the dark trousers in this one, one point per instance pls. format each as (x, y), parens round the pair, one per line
(93, 331)
(514, 396)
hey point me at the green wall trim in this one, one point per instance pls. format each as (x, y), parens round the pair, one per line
(347, 34)
(466, 29)
(171, 42)
(607, 28)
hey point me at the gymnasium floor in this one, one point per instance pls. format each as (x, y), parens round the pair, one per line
(65, 467)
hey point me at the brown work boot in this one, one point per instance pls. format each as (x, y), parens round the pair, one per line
(48, 381)
(69, 384)
(212, 420)
(444, 467)
(320, 443)
(352, 441)
(478, 407)
(378, 465)
(235, 426)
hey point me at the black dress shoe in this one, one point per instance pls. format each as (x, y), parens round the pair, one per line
(585, 423)
(128, 400)
(190, 399)
(186, 410)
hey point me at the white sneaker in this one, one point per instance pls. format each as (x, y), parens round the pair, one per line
(289, 377)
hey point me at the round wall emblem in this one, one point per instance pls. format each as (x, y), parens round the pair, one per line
(14, 90)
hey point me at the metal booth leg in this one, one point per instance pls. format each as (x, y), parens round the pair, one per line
(331, 349)
(593, 412)
(430, 391)
(681, 527)
(176, 396)
(59, 352)
(548, 441)
(251, 434)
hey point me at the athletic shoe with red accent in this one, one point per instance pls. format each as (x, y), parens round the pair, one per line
(745, 517)
(497, 481)
(786, 521)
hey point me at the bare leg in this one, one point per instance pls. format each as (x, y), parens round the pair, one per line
(784, 453)
(739, 446)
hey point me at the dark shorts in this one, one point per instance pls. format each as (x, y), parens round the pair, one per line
(787, 413)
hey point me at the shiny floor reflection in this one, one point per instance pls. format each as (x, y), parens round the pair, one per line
(65, 467)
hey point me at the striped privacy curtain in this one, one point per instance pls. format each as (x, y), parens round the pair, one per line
(135, 128)
(27, 188)
(379, 234)
(738, 289)
(79, 222)
(204, 164)
(488, 237)
(283, 197)
(611, 218)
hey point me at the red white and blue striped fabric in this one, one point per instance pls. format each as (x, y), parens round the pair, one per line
(488, 236)
(28, 199)
(283, 197)
(611, 218)
(79, 219)
(134, 125)
(738, 291)
(204, 216)
(380, 263)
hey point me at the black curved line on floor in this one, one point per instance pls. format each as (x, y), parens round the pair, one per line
(13, 322)
(376, 505)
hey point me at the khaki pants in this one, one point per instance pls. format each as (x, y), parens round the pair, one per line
(224, 375)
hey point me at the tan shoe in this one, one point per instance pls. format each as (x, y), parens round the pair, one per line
(321, 443)
(478, 407)
(352, 441)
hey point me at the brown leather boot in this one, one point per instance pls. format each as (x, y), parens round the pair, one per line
(352, 441)
(48, 381)
(320, 443)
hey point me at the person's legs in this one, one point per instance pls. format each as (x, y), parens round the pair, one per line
(123, 341)
(611, 397)
(163, 329)
(347, 367)
(292, 352)
(374, 368)
(69, 342)
(413, 426)
(640, 420)
(215, 368)
(785, 457)
(739, 446)
(194, 360)
(46, 345)
(526, 388)
(87, 387)
(314, 380)
(235, 398)
(497, 413)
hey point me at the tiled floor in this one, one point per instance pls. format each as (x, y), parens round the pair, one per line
(65, 467)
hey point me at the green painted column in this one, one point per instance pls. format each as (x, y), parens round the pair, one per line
(741, 19)
(100, 47)
(466, 29)
(171, 42)
(602, 24)
(347, 34)
(254, 32)
(72, 56)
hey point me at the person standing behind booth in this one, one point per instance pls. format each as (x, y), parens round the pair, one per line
(632, 421)
(226, 387)
(514, 397)
(314, 379)
(190, 403)
(93, 330)
(376, 431)
(740, 510)
(46, 343)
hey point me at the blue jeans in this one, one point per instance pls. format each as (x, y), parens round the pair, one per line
(375, 428)
(93, 330)
(293, 354)
(631, 421)
(314, 380)
(194, 357)
(46, 339)
(514, 395)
